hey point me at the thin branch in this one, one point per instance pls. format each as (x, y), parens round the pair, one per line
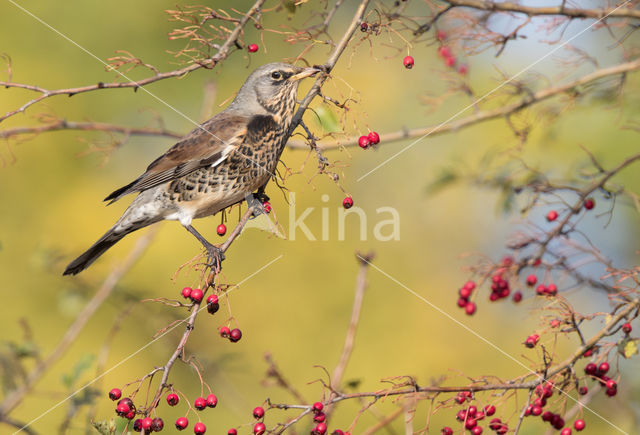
(88, 126)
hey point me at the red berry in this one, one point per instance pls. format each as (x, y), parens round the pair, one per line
(583, 390)
(536, 410)
(441, 35)
(450, 61)
(197, 295)
(224, 331)
(566, 431)
(221, 230)
(115, 394)
(347, 202)
(182, 423)
(462, 302)
(463, 69)
(444, 51)
(552, 289)
(364, 27)
(212, 400)
(470, 308)
(557, 421)
(146, 423)
(258, 412)
(199, 428)
(186, 292)
(317, 407)
(626, 328)
(489, 410)
(472, 410)
(532, 280)
(235, 335)
(590, 369)
(337, 432)
(319, 417)
(477, 430)
(374, 138)
(446, 431)
(364, 142)
(232, 431)
(470, 285)
(137, 425)
(259, 428)
(408, 62)
(464, 293)
(173, 399)
(547, 416)
(552, 215)
(320, 429)
(122, 408)
(611, 384)
(212, 304)
(130, 415)
(579, 425)
(252, 48)
(541, 289)
(267, 206)
(589, 203)
(200, 403)
(611, 392)
(603, 368)
(157, 425)
(495, 424)
(555, 323)
(517, 297)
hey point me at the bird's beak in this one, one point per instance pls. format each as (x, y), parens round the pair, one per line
(306, 72)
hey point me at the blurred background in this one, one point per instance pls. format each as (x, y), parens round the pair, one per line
(297, 308)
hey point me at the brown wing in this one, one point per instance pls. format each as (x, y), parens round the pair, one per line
(207, 145)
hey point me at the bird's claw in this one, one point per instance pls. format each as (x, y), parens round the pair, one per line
(254, 202)
(216, 257)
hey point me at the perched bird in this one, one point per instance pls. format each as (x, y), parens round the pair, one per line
(218, 164)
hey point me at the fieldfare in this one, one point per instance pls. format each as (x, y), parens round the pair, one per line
(218, 164)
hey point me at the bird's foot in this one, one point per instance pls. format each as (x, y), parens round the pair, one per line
(215, 257)
(254, 201)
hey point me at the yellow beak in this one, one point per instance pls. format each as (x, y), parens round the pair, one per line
(306, 72)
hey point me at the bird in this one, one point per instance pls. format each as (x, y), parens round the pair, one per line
(220, 163)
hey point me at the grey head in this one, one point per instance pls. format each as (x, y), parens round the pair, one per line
(270, 89)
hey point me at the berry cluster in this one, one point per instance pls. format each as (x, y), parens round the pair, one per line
(465, 293)
(536, 408)
(599, 372)
(470, 416)
(371, 139)
(195, 294)
(126, 409)
(447, 55)
(234, 335)
(259, 428)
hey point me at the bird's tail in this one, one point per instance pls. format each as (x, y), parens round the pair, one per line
(95, 251)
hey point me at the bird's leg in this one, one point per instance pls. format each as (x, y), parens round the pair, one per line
(262, 197)
(255, 203)
(216, 255)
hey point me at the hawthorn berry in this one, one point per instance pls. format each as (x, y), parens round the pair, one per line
(532, 340)
(408, 62)
(462, 302)
(589, 203)
(320, 429)
(124, 407)
(552, 289)
(364, 27)
(235, 335)
(319, 417)
(446, 431)
(200, 403)
(536, 410)
(186, 292)
(461, 415)
(374, 138)
(557, 421)
(196, 295)
(579, 425)
(495, 424)
(444, 51)
(173, 399)
(347, 202)
(552, 215)
(611, 383)
(463, 69)
(489, 410)
(232, 431)
(450, 61)
(470, 308)
(566, 431)
(212, 304)
(583, 390)
(477, 430)
(137, 425)
(603, 368)
(252, 48)
(532, 280)
(611, 392)
(146, 423)
(199, 428)
(317, 407)
(182, 423)
(258, 412)
(364, 142)
(212, 400)
(221, 230)
(259, 428)
(115, 394)
(626, 328)
(441, 35)
(470, 423)
(517, 297)
(157, 425)
(472, 410)
(267, 207)
(464, 293)
(224, 331)
(337, 432)
(590, 369)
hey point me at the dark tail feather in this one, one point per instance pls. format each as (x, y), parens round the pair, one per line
(117, 194)
(92, 254)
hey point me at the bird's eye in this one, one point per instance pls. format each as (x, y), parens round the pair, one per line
(276, 75)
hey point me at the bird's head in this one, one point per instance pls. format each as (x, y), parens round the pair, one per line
(271, 89)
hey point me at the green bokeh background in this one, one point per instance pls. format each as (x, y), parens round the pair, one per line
(298, 308)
